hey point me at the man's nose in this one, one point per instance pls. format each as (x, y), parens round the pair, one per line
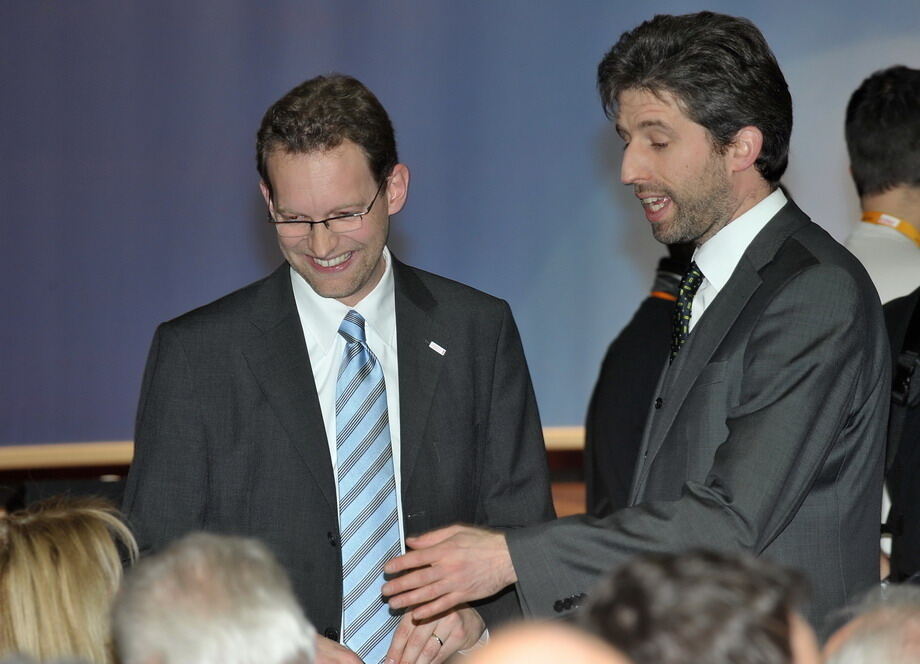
(322, 241)
(633, 169)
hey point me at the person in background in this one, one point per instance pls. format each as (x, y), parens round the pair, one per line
(883, 140)
(546, 643)
(60, 566)
(210, 599)
(883, 629)
(902, 522)
(625, 389)
(702, 606)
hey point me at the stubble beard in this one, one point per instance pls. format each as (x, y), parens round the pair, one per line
(701, 210)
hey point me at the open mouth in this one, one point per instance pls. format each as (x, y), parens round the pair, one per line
(333, 262)
(654, 203)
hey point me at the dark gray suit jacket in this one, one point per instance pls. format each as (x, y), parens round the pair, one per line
(230, 436)
(766, 435)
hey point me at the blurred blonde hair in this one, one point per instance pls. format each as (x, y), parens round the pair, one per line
(60, 566)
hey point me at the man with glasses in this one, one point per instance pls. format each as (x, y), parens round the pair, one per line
(346, 400)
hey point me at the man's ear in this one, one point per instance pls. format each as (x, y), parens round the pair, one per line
(266, 194)
(397, 188)
(745, 148)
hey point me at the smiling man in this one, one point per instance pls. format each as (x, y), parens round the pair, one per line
(345, 400)
(767, 430)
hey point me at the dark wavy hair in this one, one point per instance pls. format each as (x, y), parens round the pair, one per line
(883, 131)
(700, 606)
(320, 114)
(721, 72)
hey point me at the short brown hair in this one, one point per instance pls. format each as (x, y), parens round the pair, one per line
(320, 114)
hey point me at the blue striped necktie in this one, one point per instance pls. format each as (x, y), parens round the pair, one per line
(367, 495)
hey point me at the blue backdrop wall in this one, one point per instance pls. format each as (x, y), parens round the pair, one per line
(129, 195)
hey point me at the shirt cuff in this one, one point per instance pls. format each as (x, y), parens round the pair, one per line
(483, 640)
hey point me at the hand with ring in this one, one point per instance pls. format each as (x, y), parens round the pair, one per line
(432, 641)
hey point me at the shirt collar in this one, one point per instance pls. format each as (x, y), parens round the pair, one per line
(719, 255)
(321, 316)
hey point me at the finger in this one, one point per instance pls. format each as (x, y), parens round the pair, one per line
(421, 647)
(419, 596)
(440, 605)
(410, 560)
(400, 637)
(419, 578)
(433, 537)
(447, 630)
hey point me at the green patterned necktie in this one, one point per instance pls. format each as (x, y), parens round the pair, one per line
(680, 329)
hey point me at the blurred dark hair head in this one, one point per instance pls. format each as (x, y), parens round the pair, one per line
(883, 131)
(701, 606)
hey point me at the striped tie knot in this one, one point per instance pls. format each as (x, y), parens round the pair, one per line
(352, 328)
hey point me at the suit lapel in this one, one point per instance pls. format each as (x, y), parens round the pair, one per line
(695, 355)
(711, 329)
(419, 364)
(277, 356)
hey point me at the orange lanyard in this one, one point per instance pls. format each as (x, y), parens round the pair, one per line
(899, 225)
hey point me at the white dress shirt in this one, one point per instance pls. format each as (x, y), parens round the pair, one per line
(320, 318)
(718, 257)
(891, 258)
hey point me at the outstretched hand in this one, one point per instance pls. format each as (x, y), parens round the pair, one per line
(448, 567)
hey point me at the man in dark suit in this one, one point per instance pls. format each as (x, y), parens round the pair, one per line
(903, 461)
(343, 401)
(626, 385)
(767, 431)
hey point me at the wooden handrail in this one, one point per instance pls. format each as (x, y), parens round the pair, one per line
(119, 453)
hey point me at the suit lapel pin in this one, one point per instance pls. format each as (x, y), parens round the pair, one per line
(436, 348)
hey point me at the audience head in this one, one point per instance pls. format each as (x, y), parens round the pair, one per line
(210, 599)
(60, 565)
(26, 659)
(702, 606)
(720, 71)
(546, 643)
(883, 131)
(884, 629)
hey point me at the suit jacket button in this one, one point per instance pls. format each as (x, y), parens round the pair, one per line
(331, 633)
(659, 402)
(333, 540)
(558, 606)
(567, 603)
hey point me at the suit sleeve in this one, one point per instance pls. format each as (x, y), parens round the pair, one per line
(515, 487)
(167, 483)
(597, 500)
(802, 363)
